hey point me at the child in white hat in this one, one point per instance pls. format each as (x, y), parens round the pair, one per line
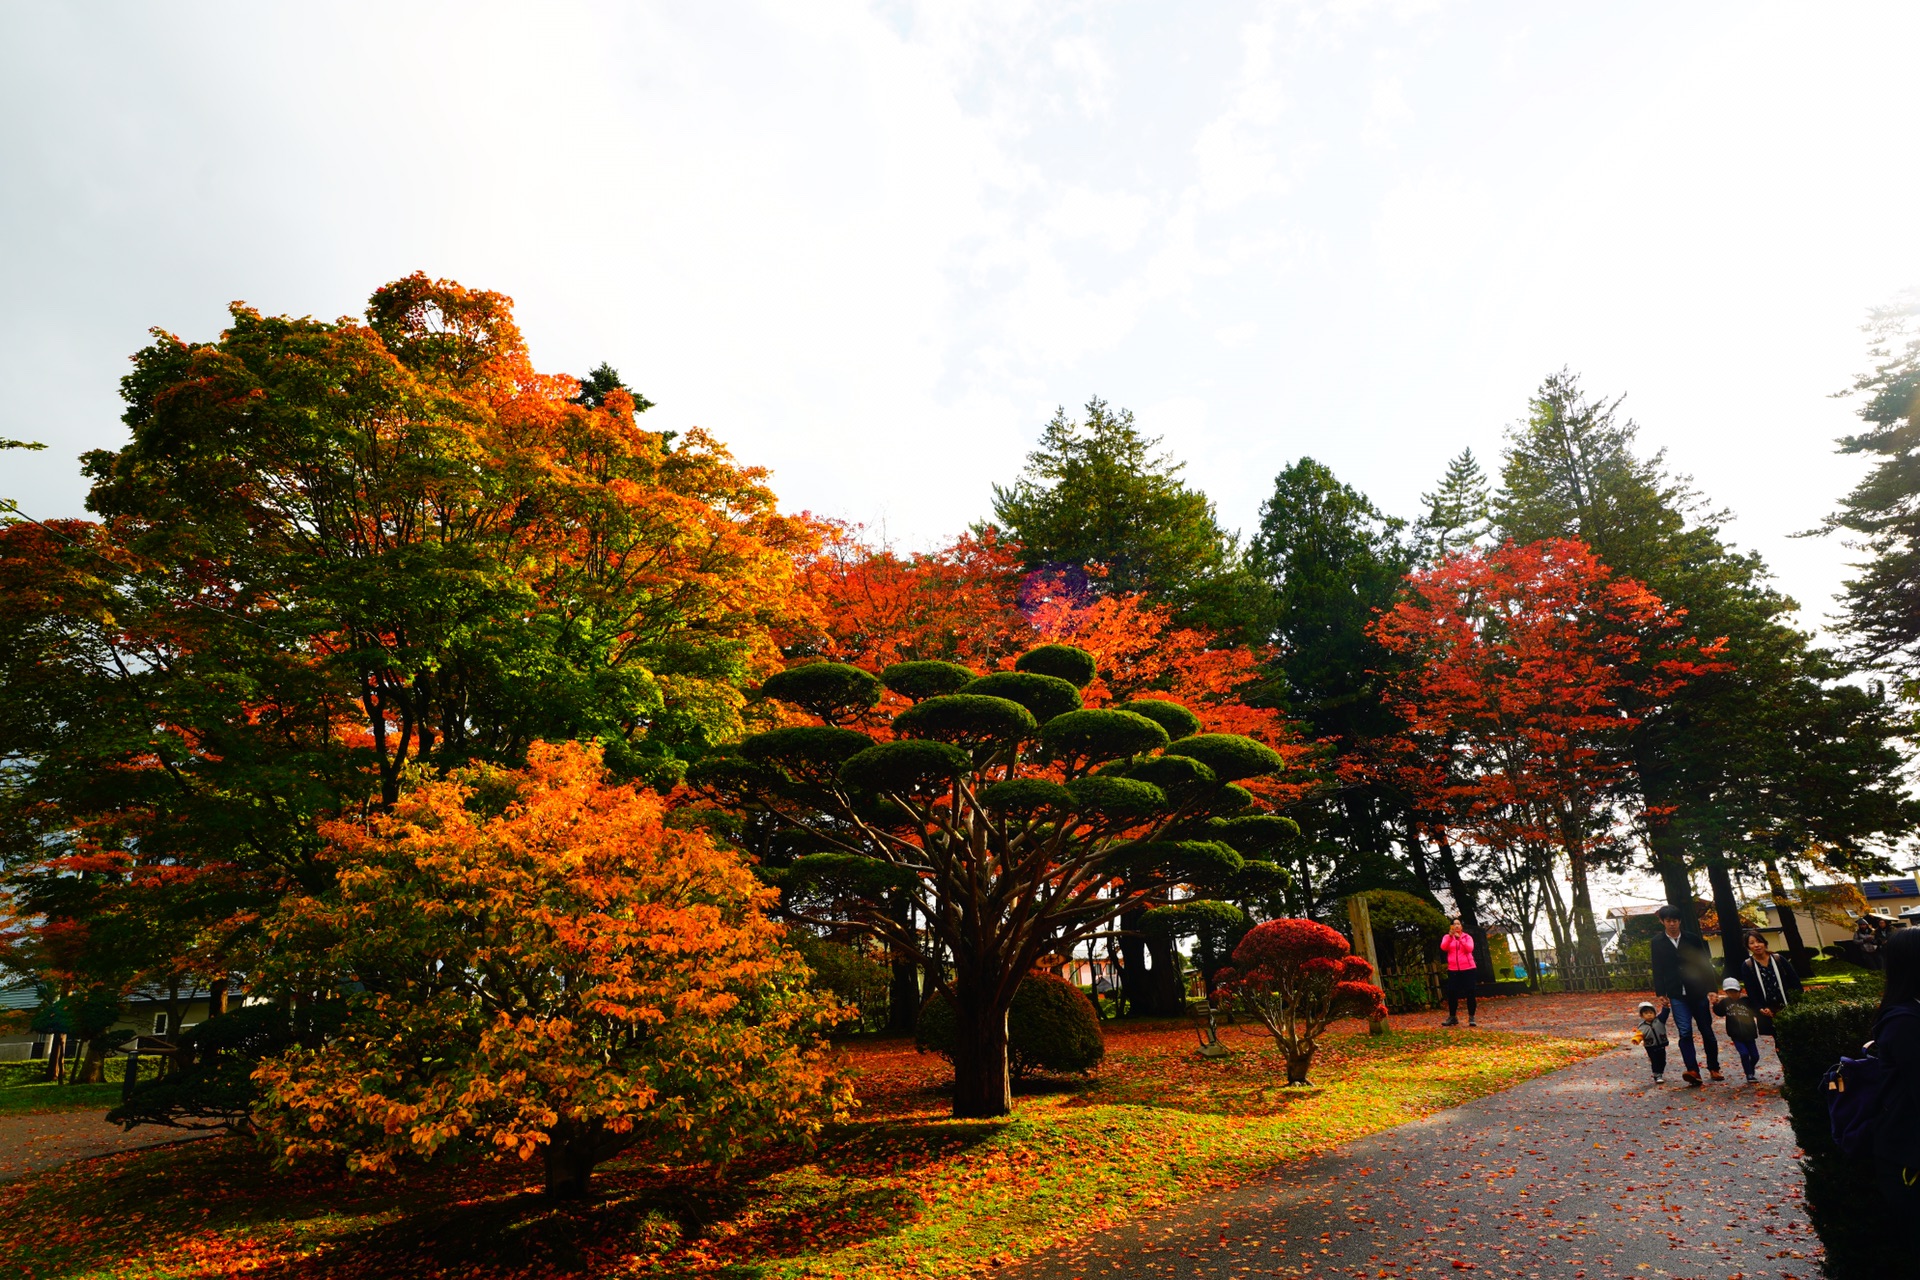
(1743, 1023)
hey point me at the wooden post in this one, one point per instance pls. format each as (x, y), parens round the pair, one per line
(1362, 921)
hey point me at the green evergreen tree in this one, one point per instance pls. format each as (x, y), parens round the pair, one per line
(1100, 492)
(1459, 514)
(1708, 770)
(1328, 558)
(1883, 602)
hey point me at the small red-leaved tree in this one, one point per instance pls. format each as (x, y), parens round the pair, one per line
(1298, 976)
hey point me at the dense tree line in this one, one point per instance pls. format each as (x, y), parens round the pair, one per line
(369, 610)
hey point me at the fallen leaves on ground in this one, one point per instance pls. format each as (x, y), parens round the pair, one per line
(903, 1191)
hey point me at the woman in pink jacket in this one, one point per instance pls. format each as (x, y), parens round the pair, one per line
(1463, 974)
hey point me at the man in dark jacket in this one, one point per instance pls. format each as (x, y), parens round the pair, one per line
(1683, 979)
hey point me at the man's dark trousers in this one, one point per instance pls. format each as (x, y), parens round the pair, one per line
(1686, 1012)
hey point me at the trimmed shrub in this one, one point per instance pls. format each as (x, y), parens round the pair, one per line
(1117, 799)
(1230, 755)
(1842, 1201)
(813, 752)
(1177, 720)
(921, 680)
(970, 721)
(1197, 861)
(1045, 696)
(1258, 835)
(1408, 926)
(1081, 736)
(1178, 776)
(831, 690)
(1061, 661)
(904, 766)
(1024, 797)
(855, 977)
(1051, 1027)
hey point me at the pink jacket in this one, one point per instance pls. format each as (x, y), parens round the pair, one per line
(1459, 949)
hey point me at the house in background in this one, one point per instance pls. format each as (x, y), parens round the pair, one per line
(144, 1014)
(1895, 899)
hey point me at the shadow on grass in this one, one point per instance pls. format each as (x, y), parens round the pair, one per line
(482, 1220)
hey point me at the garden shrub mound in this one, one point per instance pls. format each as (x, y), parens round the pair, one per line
(1842, 1202)
(858, 980)
(1051, 1027)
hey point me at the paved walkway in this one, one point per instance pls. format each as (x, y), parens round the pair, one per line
(31, 1143)
(1587, 1173)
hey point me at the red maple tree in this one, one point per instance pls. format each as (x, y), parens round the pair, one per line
(1526, 667)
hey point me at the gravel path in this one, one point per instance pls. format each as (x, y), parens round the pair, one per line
(31, 1143)
(1587, 1173)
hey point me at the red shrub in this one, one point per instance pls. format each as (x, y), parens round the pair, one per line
(1297, 976)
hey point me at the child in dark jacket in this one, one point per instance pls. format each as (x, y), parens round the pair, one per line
(1652, 1036)
(1743, 1023)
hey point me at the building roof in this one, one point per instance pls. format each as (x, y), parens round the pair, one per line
(1904, 888)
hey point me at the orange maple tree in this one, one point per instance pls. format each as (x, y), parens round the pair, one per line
(872, 606)
(539, 966)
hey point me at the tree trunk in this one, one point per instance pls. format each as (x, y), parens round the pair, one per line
(173, 1023)
(217, 998)
(1134, 989)
(1163, 985)
(1533, 963)
(1297, 1066)
(1467, 903)
(1789, 921)
(1586, 935)
(93, 1063)
(1670, 860)
(56, 1056)
(1556, 919)
(1733, 934)
(570, 1161)
(903, 994)
(982, 1087)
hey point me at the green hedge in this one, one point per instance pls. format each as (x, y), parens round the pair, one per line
(1051, 1027)
(1841, 1199)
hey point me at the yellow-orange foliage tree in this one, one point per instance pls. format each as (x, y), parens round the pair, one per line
(540, 967)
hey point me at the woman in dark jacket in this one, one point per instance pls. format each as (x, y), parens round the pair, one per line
(1771, 983)
(1896, 1041)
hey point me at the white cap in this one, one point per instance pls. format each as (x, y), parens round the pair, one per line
(1731, 984)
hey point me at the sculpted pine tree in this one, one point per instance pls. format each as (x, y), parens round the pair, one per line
(1014, 820)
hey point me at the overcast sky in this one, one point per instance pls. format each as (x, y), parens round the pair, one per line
(872, 246)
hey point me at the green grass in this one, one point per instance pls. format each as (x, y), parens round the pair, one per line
(27, 1099)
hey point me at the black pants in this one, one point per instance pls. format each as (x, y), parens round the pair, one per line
(1462, 982)
(1657, 1058)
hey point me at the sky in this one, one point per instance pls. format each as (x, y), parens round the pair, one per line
(873, 246)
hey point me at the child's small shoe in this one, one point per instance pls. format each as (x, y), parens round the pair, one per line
(1751, 1078)
(1472, 1023)
(1659, 1079)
